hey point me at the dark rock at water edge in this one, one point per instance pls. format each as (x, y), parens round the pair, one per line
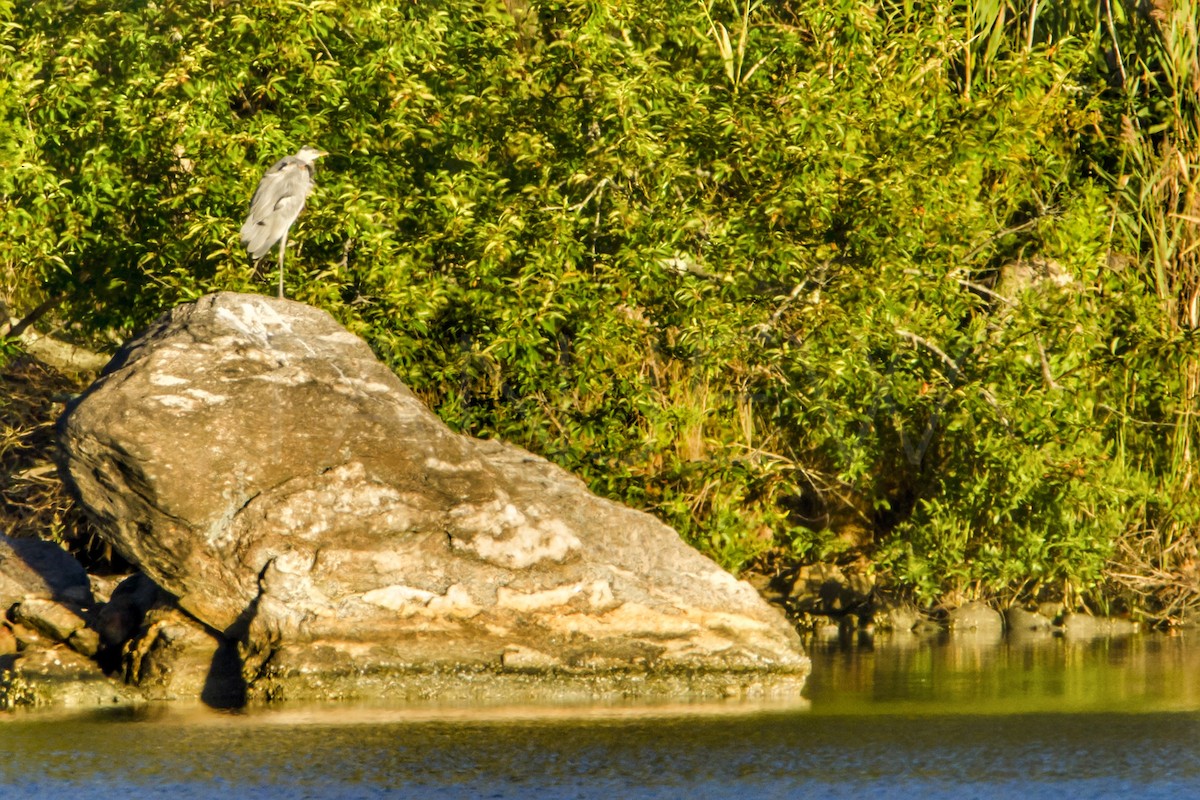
(258, 463)
(46, 642)
(32, 568)
(828, 589)
(59, 676)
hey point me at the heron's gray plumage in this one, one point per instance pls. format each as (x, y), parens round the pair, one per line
(277, 202)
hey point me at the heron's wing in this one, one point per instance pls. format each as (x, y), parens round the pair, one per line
(277, 202)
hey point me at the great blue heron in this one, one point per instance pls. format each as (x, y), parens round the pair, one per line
(277, 202)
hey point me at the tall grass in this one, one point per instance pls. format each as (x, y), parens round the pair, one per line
(1157, 215)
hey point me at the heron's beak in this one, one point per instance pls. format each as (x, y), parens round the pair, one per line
(321, 153)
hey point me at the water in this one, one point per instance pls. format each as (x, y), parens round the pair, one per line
(929, 720)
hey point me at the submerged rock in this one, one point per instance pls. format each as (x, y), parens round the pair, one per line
(255, 460)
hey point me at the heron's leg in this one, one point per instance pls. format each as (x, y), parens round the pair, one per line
(282, 249)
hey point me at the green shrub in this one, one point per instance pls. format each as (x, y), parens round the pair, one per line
(735, 264)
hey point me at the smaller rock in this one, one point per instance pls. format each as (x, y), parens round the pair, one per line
(894, 615)
(85, 641)
(1022, 622)
(55, 620)
(828, 632)
(978, 618)
(103, 586)
(28, 638)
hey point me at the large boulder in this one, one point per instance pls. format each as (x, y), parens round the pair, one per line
(257, 461)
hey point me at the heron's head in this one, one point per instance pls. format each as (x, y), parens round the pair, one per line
(309, 154)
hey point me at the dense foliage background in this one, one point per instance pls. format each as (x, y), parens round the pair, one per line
(809, 279)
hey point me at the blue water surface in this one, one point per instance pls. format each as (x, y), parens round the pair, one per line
(932, 722)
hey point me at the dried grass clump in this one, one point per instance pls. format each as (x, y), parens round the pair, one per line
(33, 500)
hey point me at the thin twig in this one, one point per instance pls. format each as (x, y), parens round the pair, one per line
(1030, 223)
(582, 203)
(985, 290)
(799, 287)
(933, 348)
(1047, 376)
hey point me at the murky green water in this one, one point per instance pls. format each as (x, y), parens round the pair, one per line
(929, 720)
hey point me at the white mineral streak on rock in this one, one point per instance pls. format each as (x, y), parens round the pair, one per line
(256, 320)
(346, 497)
(287, 586)
(500, 534)
(600, 595)
(219, 533)
(732, 623)
(286, 375)
(595, 594)
(160, 379)
(257, 333)
(398, 597)
(698, 646)
(370, 387)
(237, 354)
(354, 650)
(456, 602)
(438, 465)
(409, 601)
(293, 562)
(725, 583)
(627, 619)
(299, 516)
(176, 402)
(339, 337)
(207, 398)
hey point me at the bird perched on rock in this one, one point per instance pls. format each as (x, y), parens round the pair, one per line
(277, 202)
